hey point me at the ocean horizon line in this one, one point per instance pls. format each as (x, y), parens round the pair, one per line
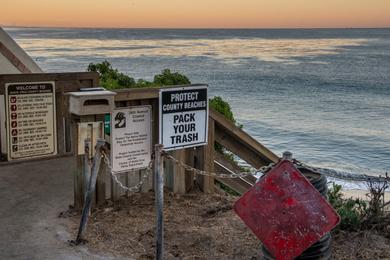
(197, 28)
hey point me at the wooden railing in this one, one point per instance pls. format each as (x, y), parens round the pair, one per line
(178, 180)
(237, 141)
(222, 131)
(205, 158)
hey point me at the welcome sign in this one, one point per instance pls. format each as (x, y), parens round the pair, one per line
(31, 120)
(183, 117)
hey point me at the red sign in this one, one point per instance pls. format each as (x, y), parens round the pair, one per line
(286, 212)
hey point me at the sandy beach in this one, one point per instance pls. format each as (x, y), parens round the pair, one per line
(361, 194)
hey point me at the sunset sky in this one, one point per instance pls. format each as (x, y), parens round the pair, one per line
(196, 13)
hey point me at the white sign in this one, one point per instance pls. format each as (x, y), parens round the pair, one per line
(183, 117)
(31, 120)
(131, 138)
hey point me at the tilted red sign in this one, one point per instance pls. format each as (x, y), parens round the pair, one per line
(286, 212)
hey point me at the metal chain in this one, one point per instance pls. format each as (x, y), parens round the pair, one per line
(114, 176)
(343, 176)
(263, 169)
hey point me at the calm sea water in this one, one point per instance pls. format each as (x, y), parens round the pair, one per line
(322, 94)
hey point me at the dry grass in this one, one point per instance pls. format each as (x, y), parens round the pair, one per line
(197, 226)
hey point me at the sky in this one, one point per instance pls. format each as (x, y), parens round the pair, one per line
(196, 13)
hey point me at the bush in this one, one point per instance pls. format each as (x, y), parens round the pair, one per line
(222, 107)
(351, 211)
(358, 214)
(167, 78)
(110, 78)
(113, 79)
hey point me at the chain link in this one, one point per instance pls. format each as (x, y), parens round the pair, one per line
(233, 175)
(342, 175)
(114, 176)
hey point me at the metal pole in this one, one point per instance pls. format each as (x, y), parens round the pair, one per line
(90, 191)
(287, 155)
(159, 196)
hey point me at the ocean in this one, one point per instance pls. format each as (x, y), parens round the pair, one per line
(323, 94)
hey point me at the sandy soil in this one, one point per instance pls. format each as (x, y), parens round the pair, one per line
(197, 226)
(361, 194)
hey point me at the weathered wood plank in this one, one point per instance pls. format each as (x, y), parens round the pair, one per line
(219, 158)
(191, 160)
(65, 82)
(179, 174)
(208, 159)
(78, 196)
(240, 143)
(136, 94)
(143, 93)
(101, 178)
(148, 183)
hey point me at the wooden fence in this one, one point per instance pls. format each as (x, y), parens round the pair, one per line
(222, 131)
(177, 179)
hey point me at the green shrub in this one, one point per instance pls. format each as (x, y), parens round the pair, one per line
(111, 78)
(167, 78)
(352, 211)
(222, 107)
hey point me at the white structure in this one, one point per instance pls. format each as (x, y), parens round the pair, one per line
(13, 60)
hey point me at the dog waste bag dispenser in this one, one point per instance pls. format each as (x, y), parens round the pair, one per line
(90, 105)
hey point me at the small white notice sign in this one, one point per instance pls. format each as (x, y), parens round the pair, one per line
(31, 120)
(131, 138)
(183, 117)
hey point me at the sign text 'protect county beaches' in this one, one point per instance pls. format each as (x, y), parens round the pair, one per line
(183, 117)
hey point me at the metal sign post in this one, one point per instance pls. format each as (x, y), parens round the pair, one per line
(90, 191)
(159, 197)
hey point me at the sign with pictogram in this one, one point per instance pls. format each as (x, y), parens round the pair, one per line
(131, 138)
(31, 120)
(286, 212)
(183, 117)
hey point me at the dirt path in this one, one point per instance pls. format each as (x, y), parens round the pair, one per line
(197, 226)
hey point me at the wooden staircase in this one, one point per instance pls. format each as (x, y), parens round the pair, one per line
(237, 141)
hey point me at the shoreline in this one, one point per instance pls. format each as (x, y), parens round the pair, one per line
(361, 194)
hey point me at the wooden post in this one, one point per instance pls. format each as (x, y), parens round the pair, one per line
(190, 154)
(208, 159)
(115, 192)
(101, 178)
(77, 172)
(101, 184)
(159, 195)
(79, 182)
(90, 190)
(179, 174)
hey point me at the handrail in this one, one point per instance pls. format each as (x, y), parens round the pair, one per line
(231, 172)
(240, 143)
(223, 132)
